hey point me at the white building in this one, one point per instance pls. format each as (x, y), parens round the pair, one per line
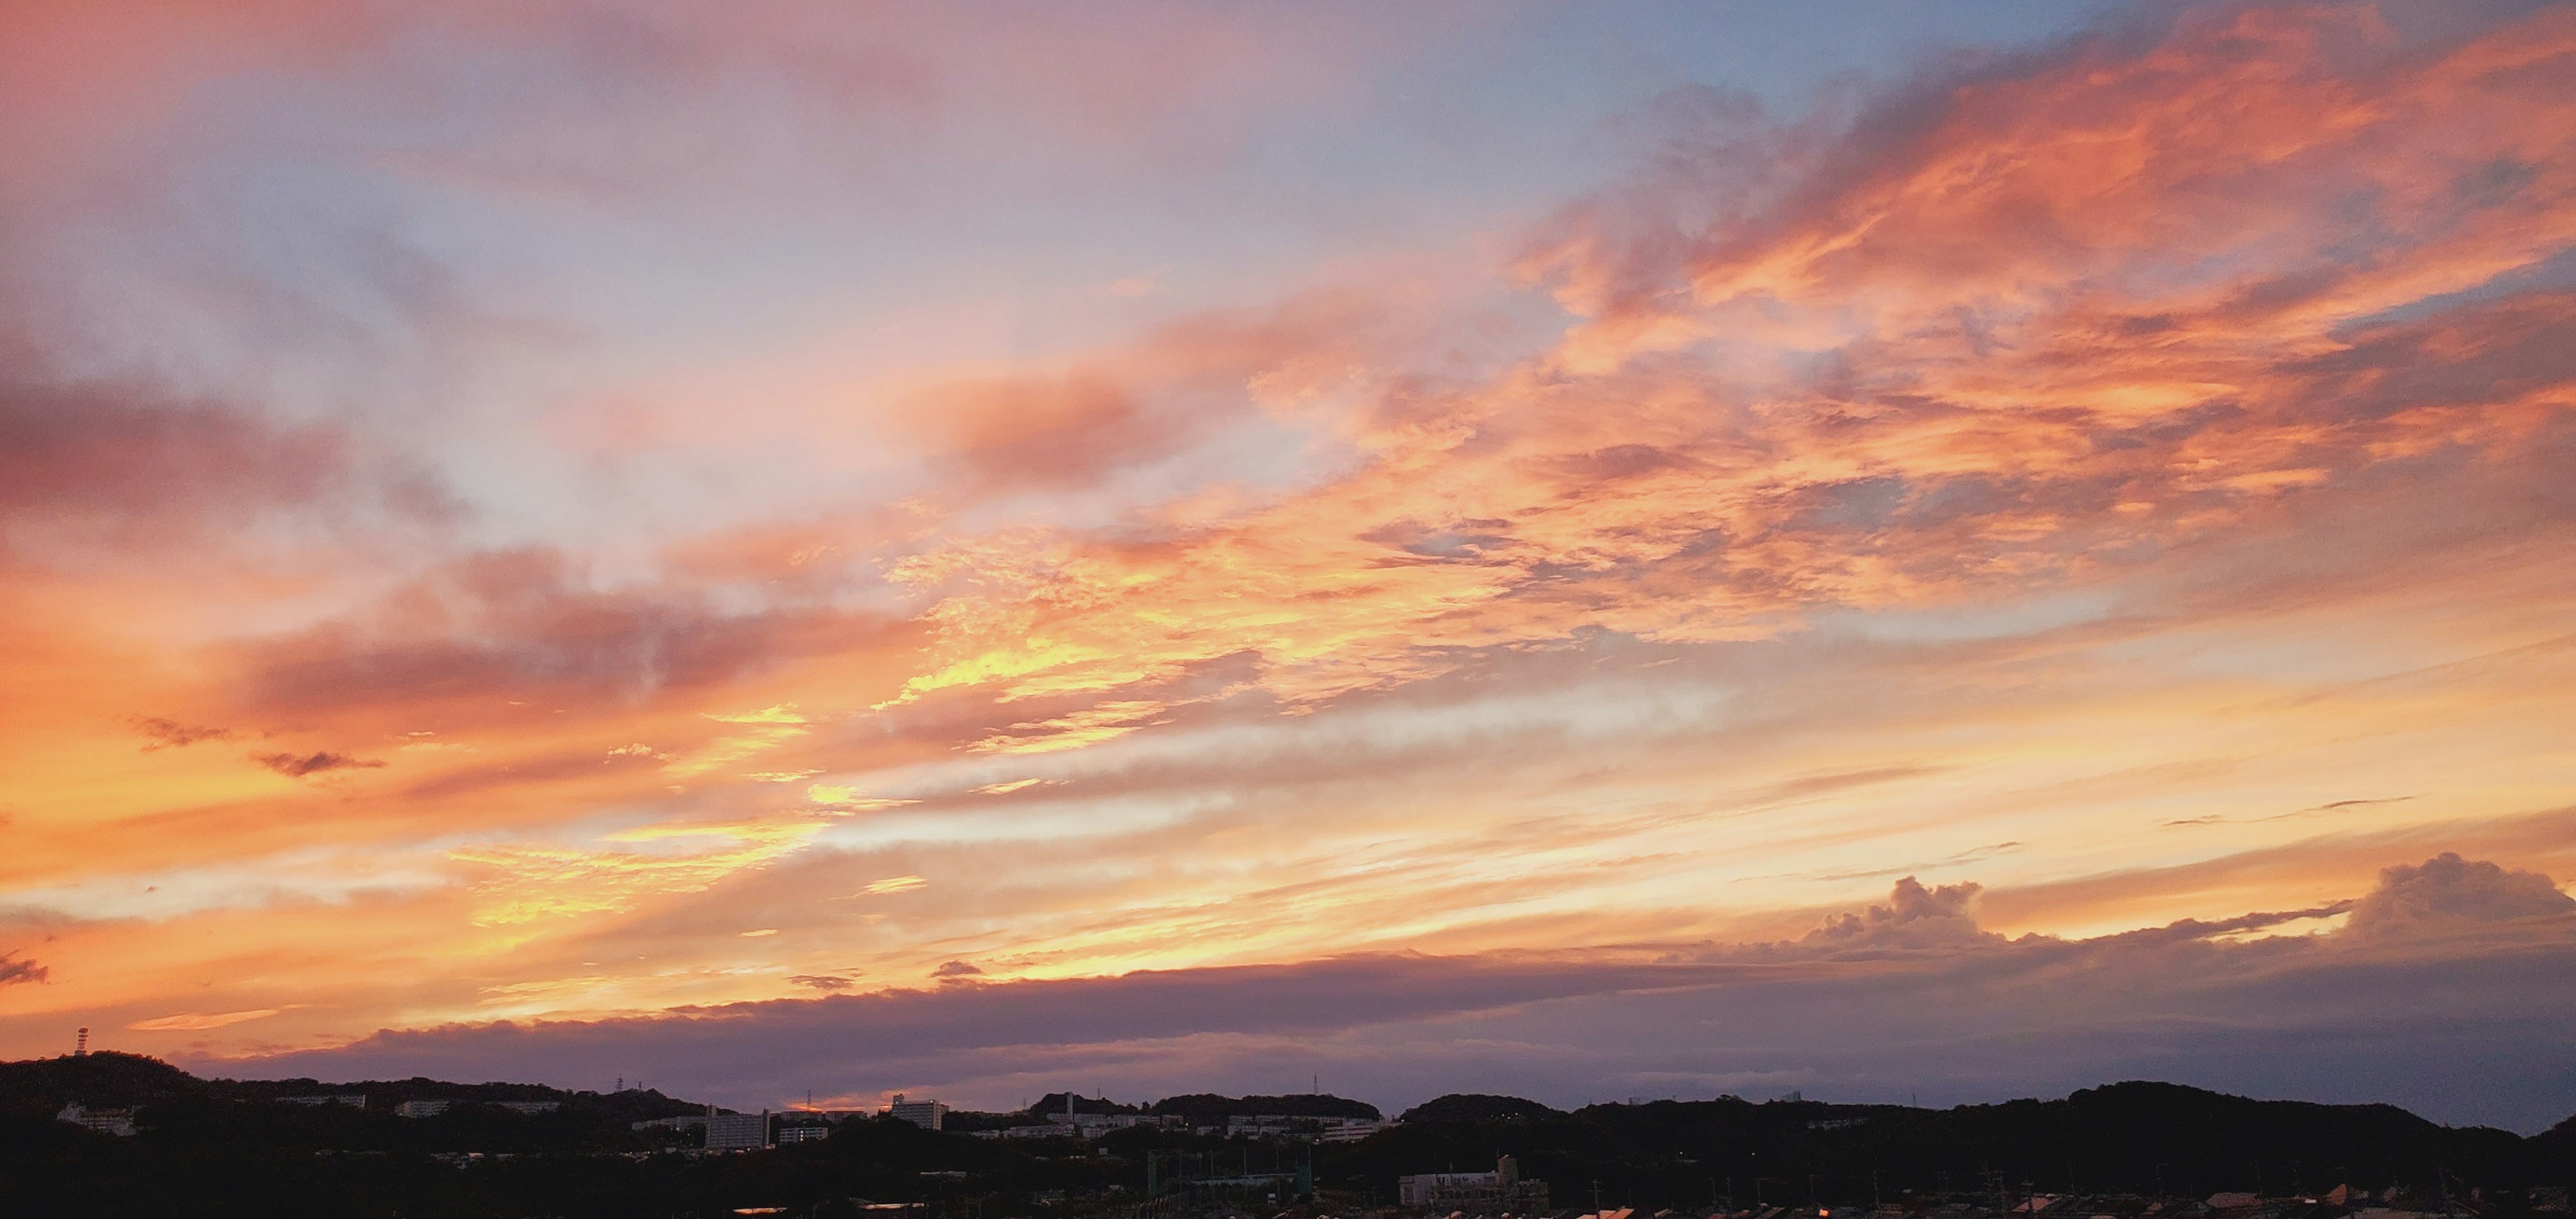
(803, 1134)
(354, 1100)
(1093, 1125)
(927, 1114)
(119, 1122)
(1502, 1189)
(421, 1108)
(1308, 1129)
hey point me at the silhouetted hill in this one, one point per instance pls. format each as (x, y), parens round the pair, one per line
(1056, 1102)
(2555, 1151)
(105, 1078)
(2146, 1138)
(1476, 1107)
(1208, 1108)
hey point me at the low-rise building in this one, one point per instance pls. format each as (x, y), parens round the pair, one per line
(421, 1108)
(1094, 1125)
(1304, 1129)
(803, 1134)
(354, 1100)
(530, 1107)
(118, 1122)
(1499, 1190)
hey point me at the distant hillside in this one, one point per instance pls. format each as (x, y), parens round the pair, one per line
(234, 1147)
(1058, 1102)
(1478, 1108)
(1208, 1108)
(2145, 1138)
(105, 1078)
(110, 1079)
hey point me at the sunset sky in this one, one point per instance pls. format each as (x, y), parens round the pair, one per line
(1892, 550)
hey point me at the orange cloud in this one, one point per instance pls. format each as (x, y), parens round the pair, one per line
(2121, 472)
(2080, 321)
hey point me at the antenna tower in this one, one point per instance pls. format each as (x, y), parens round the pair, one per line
(80, 1049)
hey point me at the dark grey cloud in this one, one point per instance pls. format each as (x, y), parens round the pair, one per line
(2466, 1021)
(118, 454)
(15, 969)
(104, 467)
(161, 733)
(298, 765)
(526, 620)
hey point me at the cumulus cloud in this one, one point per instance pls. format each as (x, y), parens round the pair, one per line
(1915, 917)
(2447, 892)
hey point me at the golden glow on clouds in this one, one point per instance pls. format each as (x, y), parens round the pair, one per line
(2137, 487)
(192, 1021)
(763, 730)
(531, 881)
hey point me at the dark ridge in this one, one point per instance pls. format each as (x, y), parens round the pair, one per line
(1208, 1108)
(1477, 1108)
(102, 1078)
(1055, 1102)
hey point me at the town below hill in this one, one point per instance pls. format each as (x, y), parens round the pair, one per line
(115, 1134)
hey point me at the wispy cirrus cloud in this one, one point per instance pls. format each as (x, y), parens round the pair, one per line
(191, 1022)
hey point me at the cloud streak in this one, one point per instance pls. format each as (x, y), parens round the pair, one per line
(1907, 996)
